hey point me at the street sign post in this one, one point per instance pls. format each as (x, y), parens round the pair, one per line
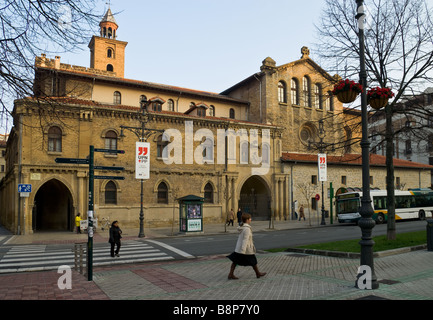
(24, 190)
(109, 150)
(92, 177)
(24, 187)
(72, 160)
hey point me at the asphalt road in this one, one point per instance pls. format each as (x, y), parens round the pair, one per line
(225, 243)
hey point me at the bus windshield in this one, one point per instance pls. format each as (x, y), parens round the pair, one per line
(348, 205)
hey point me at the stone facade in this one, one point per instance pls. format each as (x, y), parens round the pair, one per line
(275, 114)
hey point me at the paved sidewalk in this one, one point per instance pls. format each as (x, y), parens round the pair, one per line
(290, 276)
(129, 234)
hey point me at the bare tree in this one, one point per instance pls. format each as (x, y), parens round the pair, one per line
(399, 55)
(307, 190)
(31, 27)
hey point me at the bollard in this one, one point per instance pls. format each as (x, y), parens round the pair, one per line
(429, 234)
(78, 256)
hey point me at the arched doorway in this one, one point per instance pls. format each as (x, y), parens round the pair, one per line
(255, 198)
(53, 209)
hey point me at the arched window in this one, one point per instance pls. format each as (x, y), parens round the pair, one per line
(295, 91)
(212, 111)
(330, 102)
(111, 140)
(110, 67)
(110, 53)
(117, 98)
(208, 193)
(55, 139)
(232, 113)
(110, 193)
(170, 105)
(282, 92)
(208, 148)
(162, 193)
(318, 96)
(306, 90)
(161, 150)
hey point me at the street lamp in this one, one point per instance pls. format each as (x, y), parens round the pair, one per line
(142, 134)
(321, 148)
(366, 223)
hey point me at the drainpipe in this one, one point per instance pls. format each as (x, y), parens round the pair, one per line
(20, 154)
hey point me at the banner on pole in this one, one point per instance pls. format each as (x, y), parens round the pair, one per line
(321, 161)
(142, 160)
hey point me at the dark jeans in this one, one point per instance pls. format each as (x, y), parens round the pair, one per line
(112, 248)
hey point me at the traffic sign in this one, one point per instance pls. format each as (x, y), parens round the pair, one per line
(24, 188)
(317, 197)
(72, 160)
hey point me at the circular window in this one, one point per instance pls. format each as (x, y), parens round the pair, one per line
(306, 134)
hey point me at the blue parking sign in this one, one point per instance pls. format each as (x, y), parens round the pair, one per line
(24, 188)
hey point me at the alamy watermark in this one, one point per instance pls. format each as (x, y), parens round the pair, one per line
(364, 278)
(65, 280)
(178, 151)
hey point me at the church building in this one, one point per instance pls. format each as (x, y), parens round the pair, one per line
(253, 146)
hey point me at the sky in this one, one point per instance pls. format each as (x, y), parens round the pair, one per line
(207, 45)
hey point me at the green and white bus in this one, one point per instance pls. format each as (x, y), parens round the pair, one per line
(412, 204)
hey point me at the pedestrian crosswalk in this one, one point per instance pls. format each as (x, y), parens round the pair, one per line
(23, 258)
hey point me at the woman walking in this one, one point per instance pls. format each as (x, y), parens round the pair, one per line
(244, 254)
(115, 236)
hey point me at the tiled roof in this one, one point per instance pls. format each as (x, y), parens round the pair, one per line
(352, 159)
(93, 73)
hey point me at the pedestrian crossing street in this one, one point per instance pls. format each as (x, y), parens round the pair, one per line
(21, 258)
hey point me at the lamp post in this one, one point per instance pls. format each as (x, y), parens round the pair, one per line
(321, 148)
(366, 223)
(142, 134)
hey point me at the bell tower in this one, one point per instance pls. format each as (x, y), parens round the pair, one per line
(106, 52)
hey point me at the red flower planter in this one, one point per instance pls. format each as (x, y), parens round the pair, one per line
(347, 96)
(378, 103)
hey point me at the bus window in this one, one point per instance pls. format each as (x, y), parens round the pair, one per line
(379, 203)
(348, 206)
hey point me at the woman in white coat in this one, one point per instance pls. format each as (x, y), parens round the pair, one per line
(244, 254)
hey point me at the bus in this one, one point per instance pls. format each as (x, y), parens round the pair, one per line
(412, 204)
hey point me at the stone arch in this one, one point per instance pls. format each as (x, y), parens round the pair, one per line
(255, 197)
(53, 207)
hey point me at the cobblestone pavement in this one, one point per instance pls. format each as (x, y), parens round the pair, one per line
(407, 276)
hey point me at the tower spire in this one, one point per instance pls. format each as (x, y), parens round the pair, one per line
(106, 52)
(108, 25)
